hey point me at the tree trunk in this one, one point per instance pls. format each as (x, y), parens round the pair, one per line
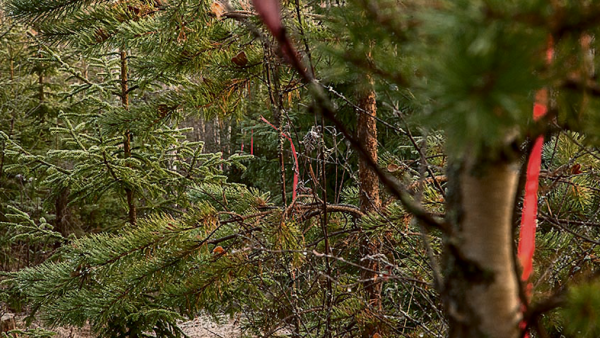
(276, 100)
(481, 286)
(41, 94)
(60, 205)
(132, 215)
(12, 120)
(209, 137)
(369, 198)
(367, 135)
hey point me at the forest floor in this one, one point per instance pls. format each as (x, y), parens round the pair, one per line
(201, 327)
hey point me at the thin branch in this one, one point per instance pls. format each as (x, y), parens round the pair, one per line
(568, 221)
(395, 187)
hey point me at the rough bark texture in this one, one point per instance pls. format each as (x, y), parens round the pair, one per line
(132, 215)
(481, 287)
(369, 197)
(367, 135)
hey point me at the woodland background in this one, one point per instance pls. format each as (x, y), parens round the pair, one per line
(358, 174)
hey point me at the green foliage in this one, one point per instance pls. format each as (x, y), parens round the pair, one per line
(582, 311)
(27, 230)
(94, 104)
(224, 248)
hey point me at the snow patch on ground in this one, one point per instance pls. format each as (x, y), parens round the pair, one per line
(204, 327)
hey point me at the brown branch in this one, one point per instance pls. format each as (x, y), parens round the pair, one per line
(436, 179)
(576, 83)
(239, 218)
(393, 185)
(568, 221)
(110, 170)
(557, 224)
(226, 238)
(324, 106)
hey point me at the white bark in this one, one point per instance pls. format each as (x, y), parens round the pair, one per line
(487, 201)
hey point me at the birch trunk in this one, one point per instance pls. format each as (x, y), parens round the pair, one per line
(481, 282)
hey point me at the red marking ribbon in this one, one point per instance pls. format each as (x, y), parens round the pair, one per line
(242, 150)
(270, 14)
(251, 142)
(530, 202)
(529, 217)
(295, 185)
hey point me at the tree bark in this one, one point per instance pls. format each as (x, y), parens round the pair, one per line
(367, 135)
(12, 120)
(41, 93)
(209, 137)
(369, 198)
(481, 286)
(132, 215)
(276, 100)
(60, 207)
